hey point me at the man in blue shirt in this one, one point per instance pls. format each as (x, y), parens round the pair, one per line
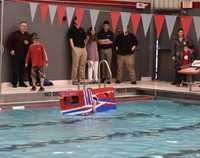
(105, 41)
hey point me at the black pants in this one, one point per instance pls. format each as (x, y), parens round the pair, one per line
(18, 69)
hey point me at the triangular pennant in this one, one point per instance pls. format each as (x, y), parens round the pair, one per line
(135, 18)
(125, 19)
(115, 19)
(61, 13)
(52, 12)
(159, 20)
(44, 10)
(33, 8)
(170, 22)
(146, 19)
(94, 14)
(79, 14)
(186, 22)
(70, 13)
(196, 20)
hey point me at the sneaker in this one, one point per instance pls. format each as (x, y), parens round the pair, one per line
(41, 89)
(14, 86)
(174, 83)
(33, 88)
(185, 85)
(117, 81)
(22, 85)
(133, 82)
(75, 82)
(103, 80)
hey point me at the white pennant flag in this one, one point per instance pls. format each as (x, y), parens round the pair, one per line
(70, 13)
(170, 22)
(146, 19)
(33, 8)
(125, 20)
(93, 15)
(52, 12)
(196, 20)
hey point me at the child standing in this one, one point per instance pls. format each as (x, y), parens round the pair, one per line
(183, 60)
(92, 54)
(38, 57)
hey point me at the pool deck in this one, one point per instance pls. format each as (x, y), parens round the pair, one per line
(154, 89)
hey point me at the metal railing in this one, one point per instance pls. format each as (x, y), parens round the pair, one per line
(105, 62)
(84, 82)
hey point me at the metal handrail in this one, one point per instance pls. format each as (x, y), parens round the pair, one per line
(84, 82)
(104, 61)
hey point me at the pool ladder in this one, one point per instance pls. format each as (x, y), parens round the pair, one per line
(99, 74)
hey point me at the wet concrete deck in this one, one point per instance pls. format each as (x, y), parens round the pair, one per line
(21, 95)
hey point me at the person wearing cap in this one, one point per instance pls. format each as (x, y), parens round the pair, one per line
(18, 44)
(77, 39)
(126, 44)
(105, 41)
(38, 57)
(176, 49)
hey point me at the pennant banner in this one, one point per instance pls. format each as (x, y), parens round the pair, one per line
(94, 15)
(125, 20)
(44, 9)
(61, 13)
(52, 12)
(33, 8)
(159, 20)
(135, 18)
(70, 13)
(196, 20)
(170, 22)
(146, 19)
(79, 14)
(186, 22)
(115, 19)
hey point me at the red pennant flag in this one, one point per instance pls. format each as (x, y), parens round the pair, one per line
(79, 14)
(61, 12)
(115, 19)
(44, 10)
(186, 22)
(159, 20)
(135, 21)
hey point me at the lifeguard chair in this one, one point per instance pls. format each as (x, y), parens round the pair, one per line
(193, 69)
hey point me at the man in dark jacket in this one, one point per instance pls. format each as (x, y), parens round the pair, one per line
(177, 49)
(18, 44)
(125, 45)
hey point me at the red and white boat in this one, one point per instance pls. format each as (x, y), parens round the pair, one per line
(79, 102)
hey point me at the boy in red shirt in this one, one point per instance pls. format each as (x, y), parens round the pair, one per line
(184, 59)
(38, 57)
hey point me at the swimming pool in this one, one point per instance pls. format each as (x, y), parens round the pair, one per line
(142, 129)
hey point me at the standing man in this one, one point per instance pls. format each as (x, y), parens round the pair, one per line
(177, 49)
(77, 38)
(126, 44)
(105, 41)
(18, 45)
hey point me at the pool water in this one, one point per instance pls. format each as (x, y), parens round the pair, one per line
(142, 129)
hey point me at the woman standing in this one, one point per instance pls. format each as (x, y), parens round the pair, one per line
(92, 55)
